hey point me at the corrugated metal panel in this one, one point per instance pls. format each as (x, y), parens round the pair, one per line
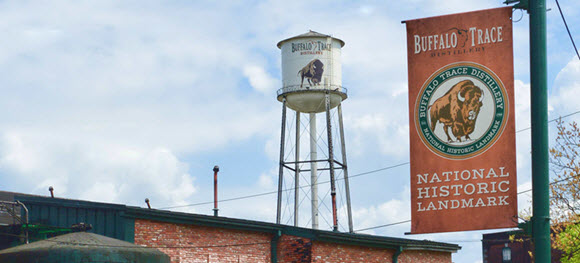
(106, 219)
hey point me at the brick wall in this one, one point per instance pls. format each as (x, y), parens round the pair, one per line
(294, 249)
(337, 253)
(197, 244)
(424, 256)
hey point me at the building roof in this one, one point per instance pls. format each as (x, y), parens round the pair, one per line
(41, 208)
(313, 234)
(310, 34)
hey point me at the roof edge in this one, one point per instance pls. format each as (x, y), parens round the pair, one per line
(265, 227)
(310, 34)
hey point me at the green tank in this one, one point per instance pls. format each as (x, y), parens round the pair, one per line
(82, 247)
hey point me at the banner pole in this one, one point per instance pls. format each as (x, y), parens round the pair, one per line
(539, 119)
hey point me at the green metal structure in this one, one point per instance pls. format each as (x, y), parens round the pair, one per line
(53, 213)
(540, 154)
(539, 108)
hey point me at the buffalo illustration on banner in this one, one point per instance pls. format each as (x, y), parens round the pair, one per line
(462, 134)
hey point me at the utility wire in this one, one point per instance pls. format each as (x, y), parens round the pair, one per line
(488, 240)
(554, 182)
(391, 224)
(552, 120)
(286, 190)
(567, 29)
(324, 182)
(358, 175)
(407, 221)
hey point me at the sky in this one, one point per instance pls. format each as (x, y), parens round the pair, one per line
(118, 101)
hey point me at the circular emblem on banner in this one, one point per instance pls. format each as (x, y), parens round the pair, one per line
(461, 110)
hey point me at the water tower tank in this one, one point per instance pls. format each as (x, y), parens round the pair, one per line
(311, 67)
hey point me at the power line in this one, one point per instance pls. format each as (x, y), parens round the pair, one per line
(289, 189)
(225, 200)
(324, 182)
(391, 224)
(488, 240)
(552, 120)
(406, 221)
(567, 29)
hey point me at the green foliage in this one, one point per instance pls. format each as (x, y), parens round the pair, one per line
(565, 191)
(569, 241)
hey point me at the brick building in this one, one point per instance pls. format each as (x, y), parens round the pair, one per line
(492, 245)
(189, 237)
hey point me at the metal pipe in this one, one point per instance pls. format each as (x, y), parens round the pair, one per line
(274, 246)
(539, 119)
(51, 189)
(397, 253)
(26, 211)
(345, 169)
(216, 169)
(281, 168)
(147, 202)
(331, 163)
(313, 171)
(297, 170)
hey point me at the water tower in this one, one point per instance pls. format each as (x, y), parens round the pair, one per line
(311, 85)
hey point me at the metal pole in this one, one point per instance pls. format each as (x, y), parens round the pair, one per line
(345, 169)
(297, 170)
(539, 118)
(216, 169)
(331, 163)
(313, 171)
(281, 169)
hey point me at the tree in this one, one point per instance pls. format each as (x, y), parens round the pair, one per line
(568, 241)
(565, 191)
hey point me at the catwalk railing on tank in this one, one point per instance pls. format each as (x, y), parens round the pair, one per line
(297, 88)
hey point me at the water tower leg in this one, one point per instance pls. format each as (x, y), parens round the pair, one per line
(345, 169)
(281, 169)
(297, 170)
(331, 164)
(313, 171)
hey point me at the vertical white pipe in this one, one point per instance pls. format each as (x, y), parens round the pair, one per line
(297, 170)
(313, 171)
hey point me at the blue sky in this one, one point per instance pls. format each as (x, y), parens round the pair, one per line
(117, 101)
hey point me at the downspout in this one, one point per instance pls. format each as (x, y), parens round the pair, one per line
(397, 253)
(26, 219)
(274, 246)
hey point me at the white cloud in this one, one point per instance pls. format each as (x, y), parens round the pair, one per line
(268, 180)
(260, 79)
(119, 101)
(566, 90)
(393, 211)
(525, 199)
(522, 104)
(93, 171)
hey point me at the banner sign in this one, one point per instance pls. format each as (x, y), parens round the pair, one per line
(462, 124)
